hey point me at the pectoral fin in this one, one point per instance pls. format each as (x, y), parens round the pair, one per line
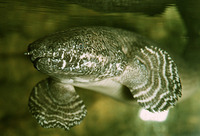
(161, 87)
(55, 104)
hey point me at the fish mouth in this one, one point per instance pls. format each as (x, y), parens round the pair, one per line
(37, 51)
(37, 54)
(52, 65)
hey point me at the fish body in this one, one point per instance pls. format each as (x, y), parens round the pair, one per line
(90, 56)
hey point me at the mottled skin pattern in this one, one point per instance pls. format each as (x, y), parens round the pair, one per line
(81, 53)
(86, 55)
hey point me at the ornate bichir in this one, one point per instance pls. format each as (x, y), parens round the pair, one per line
(84, 56)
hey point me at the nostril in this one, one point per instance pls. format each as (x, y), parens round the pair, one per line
(28, 53)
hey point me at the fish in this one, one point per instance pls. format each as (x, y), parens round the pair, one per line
(101, 59)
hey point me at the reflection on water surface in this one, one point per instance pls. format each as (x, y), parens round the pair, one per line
(174, 25)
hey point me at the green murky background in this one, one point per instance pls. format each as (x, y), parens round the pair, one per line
(173, 24)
